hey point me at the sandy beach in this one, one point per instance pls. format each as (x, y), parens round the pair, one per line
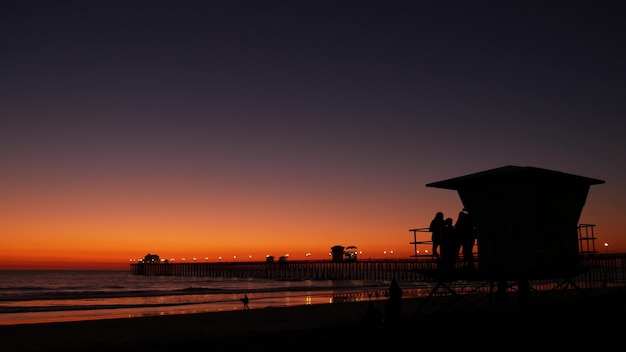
(594, 319)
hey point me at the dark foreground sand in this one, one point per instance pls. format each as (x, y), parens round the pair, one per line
(594, 320)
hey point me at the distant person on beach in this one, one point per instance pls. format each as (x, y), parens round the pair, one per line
(436, 229)
(245, 301)
(392, 308)
(464, 228)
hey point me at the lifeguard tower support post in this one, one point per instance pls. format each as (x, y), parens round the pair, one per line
(527, 220)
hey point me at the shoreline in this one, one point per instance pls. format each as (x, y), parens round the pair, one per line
(595, 319)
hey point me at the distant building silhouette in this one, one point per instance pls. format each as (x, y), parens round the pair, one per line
(337, 253)
(343, 254)
(150, 259)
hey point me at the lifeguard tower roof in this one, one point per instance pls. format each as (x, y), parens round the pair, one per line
(526, 217)
(509, 172)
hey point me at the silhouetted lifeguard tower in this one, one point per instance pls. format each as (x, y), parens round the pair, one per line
(526, 220)
(526, 217)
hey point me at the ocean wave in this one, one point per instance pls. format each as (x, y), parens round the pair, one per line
(35, 295)
(34, 309)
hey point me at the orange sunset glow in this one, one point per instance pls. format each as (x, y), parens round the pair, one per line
(200, 132)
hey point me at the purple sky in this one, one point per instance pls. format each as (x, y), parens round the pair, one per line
(341, 104)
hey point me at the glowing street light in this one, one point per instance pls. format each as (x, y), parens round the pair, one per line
(385, 254)
(250, 257)
(606, 246)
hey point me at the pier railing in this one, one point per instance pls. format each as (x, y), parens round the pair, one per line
(598, 269)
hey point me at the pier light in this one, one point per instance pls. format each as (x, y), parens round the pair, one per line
(194, 259)
(307, 255)
(234, 257)
(391, 254)
(172, 259)
(606, 246)
(206, 258)
(385, 254)
(220, 258)
(183, 259)
(250, 257)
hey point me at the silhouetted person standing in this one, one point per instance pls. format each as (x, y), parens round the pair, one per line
(436, 229)
(392, 309)
(245, 301)
(467, 235)
(449, 245)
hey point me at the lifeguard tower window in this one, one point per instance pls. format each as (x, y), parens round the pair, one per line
(526, 219)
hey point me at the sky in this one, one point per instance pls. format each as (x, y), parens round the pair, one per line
(241, 129)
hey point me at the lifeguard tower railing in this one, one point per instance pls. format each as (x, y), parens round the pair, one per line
(422, 242)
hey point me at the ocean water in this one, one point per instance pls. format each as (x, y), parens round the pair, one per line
(33, 296)
(38, 296)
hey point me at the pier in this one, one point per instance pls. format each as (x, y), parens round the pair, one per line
(595, 270)
(369, 270)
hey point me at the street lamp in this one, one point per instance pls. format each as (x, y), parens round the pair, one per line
(606, 246)
(385, 254)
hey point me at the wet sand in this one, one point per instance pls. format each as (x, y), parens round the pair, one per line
(596, 319)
